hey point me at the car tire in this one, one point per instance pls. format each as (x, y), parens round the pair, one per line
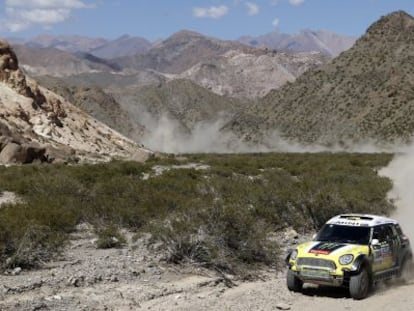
(406, 271)
(360, 284)
(294, 284)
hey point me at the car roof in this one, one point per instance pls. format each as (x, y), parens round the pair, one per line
(357, 220)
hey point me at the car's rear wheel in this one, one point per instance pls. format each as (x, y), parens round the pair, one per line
(407, 270)
(293, 282)
(360, 284)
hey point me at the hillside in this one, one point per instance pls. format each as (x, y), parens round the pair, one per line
(180, 99)
(96, 102)
(38, 125)
(165, 115)
(364, 95)
(179, 115)
(249, 75)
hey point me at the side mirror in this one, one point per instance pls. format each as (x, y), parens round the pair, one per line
(314, 236)
(375, 242)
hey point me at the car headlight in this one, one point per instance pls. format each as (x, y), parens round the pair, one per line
(294, 254)
(346, 259)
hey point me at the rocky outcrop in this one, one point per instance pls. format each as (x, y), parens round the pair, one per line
(9, 70)
(38, 125)
(22, 153)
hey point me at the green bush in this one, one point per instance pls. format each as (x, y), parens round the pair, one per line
(110, 237)
(37, 245)
(218, 217)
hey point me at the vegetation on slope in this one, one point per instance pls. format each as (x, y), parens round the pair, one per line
(219, 215)
(365, 94)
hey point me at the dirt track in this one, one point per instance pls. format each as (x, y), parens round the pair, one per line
(132, 279)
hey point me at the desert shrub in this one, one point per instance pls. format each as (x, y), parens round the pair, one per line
(110, 237)
(37, 245)
(225, 238)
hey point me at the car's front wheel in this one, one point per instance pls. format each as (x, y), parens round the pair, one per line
(293, 282)
(360, 284)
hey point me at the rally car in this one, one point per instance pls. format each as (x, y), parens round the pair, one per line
(351, 250)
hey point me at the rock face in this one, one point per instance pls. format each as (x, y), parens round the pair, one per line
(26, 153)
(9, 70)
(364, 95)
(36, 124)
(251, 75)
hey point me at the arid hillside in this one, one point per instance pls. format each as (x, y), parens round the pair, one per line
(364, 95)
(38, 125)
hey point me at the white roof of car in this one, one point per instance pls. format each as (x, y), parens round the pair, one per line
(364, 220)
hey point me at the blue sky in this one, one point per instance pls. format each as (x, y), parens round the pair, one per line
(157, 19)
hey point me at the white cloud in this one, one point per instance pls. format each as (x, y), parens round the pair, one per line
(211, 12)
(292, 2)
(24, 14)
(296, 2)
(47, 4)
(275, 22)
(252, 8)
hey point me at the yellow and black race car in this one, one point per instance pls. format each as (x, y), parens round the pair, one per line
(351, 250)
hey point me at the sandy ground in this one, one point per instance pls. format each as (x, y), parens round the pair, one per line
(134, 278)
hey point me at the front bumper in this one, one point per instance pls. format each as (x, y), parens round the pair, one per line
(320, 277)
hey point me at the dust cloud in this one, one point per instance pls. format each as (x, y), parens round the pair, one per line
(166, 134)
(401, 172)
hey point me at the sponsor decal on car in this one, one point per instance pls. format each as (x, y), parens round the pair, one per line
(325, 248)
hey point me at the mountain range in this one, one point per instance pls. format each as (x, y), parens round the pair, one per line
(192, 93)
(325, 42)
(99, 47)
(224, 67)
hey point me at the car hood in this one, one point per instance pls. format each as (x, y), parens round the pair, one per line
(330, 249)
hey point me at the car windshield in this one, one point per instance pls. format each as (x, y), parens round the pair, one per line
(344, 234)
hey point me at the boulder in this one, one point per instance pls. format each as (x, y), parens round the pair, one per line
(34, 153)
(14, 153)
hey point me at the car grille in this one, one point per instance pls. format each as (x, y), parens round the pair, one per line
(316, 262)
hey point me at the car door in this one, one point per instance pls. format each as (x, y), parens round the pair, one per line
(393, 241)
(402, 241)
(382, 252)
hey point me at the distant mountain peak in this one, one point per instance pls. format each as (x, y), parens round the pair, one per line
(186, 33)
(123, 37)
(392, 24)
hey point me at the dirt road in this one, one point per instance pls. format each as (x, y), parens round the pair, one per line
(87, 278)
